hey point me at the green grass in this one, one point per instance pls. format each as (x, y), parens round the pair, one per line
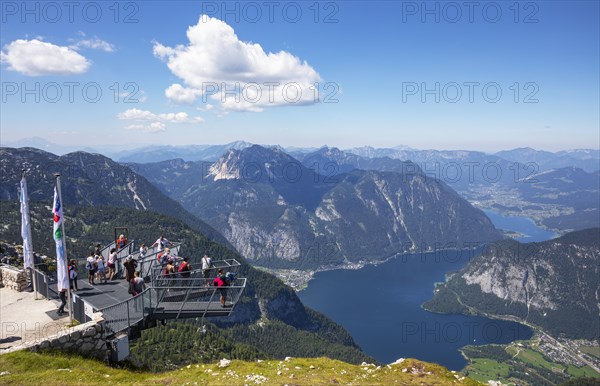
(484, 369)
(536, 359)
(585, 371)
(593, 351)
(48, 369)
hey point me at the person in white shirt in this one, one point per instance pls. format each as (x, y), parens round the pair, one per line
(206, 266)
(90, 266)
(101, 270)
(161, 243)
(143, 251)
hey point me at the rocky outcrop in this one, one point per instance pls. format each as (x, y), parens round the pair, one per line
(553, 284)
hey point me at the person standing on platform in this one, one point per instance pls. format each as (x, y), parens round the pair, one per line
(161, 243)
(121, 242)
(90, 266)
(63, 301)
(206, 266)
(112, 263)
(73, 275)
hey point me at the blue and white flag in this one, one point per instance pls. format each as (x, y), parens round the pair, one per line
(61, 263)
(27, 249)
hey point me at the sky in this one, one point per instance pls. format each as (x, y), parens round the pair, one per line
(480, 75)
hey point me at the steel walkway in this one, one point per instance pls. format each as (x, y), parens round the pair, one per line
(166, 297)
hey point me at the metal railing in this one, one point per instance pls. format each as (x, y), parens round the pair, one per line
(44, 285)
(121, 316)
(105, 251)
(150, 261)
(229, 265)
(173, 298)
(197, 296)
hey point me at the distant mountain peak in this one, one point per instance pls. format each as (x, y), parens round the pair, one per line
(249, 163)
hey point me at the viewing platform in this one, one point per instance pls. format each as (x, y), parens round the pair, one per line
(166, 297)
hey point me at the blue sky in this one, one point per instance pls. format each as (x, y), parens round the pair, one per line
(372, 62)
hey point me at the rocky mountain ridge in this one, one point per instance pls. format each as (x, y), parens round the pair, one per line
(553, 284)
(282, 214)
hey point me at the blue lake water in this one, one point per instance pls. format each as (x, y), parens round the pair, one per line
(381, 308)
(524, 225)
(381, 305)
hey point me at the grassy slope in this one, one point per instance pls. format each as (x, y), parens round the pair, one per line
(59, 369)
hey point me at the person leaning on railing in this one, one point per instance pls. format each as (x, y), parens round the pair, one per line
(220, 282)
(206, 266)
(121, 242)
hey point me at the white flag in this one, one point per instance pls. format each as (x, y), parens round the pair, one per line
(61, 264)
(27, 250)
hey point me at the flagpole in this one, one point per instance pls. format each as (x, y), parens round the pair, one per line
(28, 241)
(64, 242)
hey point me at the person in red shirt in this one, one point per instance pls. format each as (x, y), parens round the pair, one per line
(121, 242)
(220, 282)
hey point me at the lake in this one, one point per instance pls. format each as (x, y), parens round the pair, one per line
(524, 225)
(381, 308)
(381, 305)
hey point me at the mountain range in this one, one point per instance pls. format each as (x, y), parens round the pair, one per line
(89, 179)
(282, 214)
(563, 199)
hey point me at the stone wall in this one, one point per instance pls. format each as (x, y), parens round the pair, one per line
(88, 339)
(13, 278)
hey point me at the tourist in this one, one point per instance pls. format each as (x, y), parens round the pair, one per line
(73, 275)
(169, 269)
(137, 284)
(90, 266)
(130, 265)
(63, 301)
(161, 243)
(206, 266)
(164, 257)
(185, 268)
(101, 272)
(220, 282)
(143, 251)
(112, 263)
(121, 242)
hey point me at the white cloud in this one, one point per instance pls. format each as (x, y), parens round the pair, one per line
(180, 94)
(154, 127)
(39, 58)
(157, 122)
(95, 44)
(216, 61)
(145, 115)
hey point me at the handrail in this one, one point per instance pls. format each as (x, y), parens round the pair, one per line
(170, 295)
(119, 317)
(232, 265)
(105, 251)
(148, 257)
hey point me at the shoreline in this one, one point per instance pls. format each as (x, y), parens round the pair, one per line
(308, 275)
(538, 332)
